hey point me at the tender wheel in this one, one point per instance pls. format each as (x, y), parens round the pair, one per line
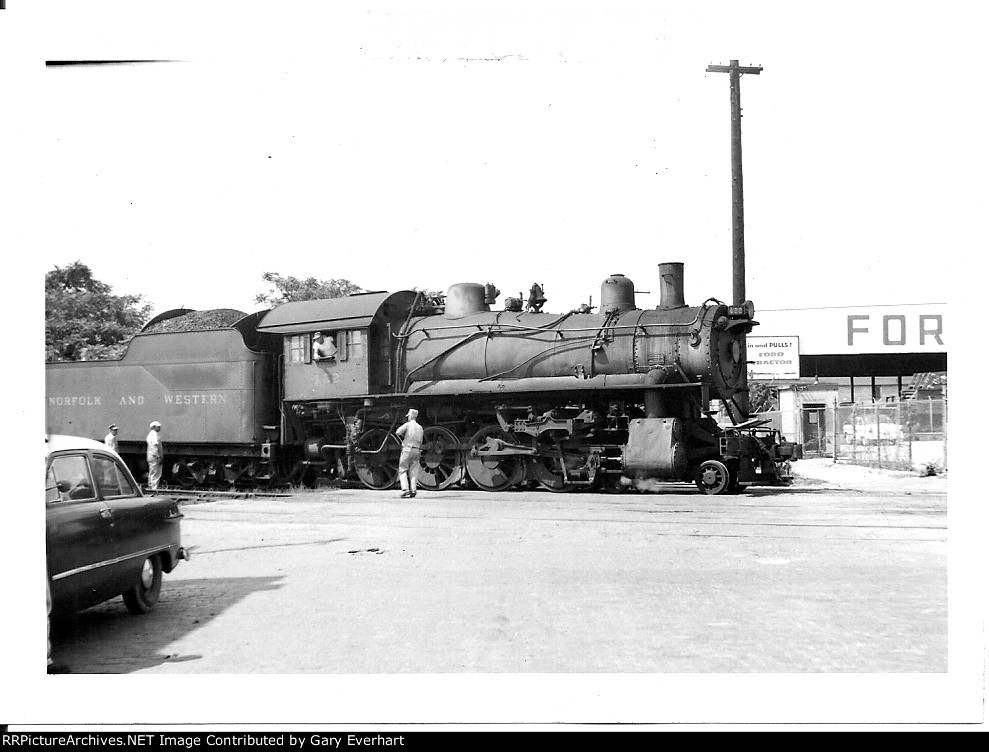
(214, 473)
(376, 459)
(713, 477)
(231, 472)
(260, 476)
(188, 472)
(493, 472)
(143, 595)
(441, 461)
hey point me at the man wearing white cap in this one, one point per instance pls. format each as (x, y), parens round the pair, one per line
(322, 348)
(410, 433)
(111, 438)
(156, 453)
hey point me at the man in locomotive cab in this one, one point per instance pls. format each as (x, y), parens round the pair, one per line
(411, 434)
(323, 348)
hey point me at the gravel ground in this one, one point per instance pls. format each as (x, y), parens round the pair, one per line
(622, 606)
(823, 470)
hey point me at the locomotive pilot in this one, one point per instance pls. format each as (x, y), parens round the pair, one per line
(410, 433)
(323, 348)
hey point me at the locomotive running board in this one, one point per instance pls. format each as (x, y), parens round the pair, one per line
(624, 382)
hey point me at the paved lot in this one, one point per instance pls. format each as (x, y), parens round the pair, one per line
(840, 573)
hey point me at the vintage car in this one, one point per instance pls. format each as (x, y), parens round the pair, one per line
(104, 537)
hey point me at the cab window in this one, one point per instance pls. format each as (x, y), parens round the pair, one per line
(297, 348)
(356, 340)
(111, 478)
(70, 478)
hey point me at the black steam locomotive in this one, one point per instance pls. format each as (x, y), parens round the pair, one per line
(509, 398)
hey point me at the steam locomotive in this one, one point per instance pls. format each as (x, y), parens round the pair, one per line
(512, 398)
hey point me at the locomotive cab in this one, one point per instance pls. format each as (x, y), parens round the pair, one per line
(336, 353)
(358, 328)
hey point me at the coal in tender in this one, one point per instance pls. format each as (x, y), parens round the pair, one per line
(216, 318)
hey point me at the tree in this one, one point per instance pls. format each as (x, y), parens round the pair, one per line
(84, 320)
(763, 397)
(290, 289)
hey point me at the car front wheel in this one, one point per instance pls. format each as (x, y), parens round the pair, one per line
(143, 595)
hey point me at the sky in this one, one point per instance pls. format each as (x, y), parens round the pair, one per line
(402, 145)
(421, 145)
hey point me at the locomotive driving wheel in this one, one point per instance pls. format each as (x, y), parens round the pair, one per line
(487, 467)
(376, 458)
(713, 477)
(441, 460)
(556, 465)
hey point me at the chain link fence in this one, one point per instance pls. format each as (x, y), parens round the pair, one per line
(900, 435)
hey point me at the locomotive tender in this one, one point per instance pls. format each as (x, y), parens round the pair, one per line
(507, 398)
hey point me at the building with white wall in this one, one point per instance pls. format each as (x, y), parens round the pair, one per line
(823, 357)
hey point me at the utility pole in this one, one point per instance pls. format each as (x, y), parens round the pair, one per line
(735, 72)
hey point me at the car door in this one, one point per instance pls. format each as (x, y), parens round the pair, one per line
(79, 534)
(136, 520)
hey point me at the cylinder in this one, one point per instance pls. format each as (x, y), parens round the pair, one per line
(617, 294)
(671, 285)
(465, 299)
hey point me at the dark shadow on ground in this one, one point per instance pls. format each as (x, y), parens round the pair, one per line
(791, 490)
(108, 639)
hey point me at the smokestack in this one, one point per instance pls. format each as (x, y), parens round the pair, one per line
(671, 285)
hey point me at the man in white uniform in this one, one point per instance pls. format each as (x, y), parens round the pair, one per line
(156, 453)
(323, 348)
(410, 433)
(111, 438)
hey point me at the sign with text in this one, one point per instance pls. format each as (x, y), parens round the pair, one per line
(773, 358)
(853, 330)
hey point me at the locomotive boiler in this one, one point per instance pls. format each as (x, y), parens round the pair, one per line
(512, 349)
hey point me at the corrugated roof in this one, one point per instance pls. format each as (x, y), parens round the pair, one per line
(351, 312)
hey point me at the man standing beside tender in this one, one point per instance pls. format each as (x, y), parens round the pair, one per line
(111, 438)
(156, 454)
(410, 433)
